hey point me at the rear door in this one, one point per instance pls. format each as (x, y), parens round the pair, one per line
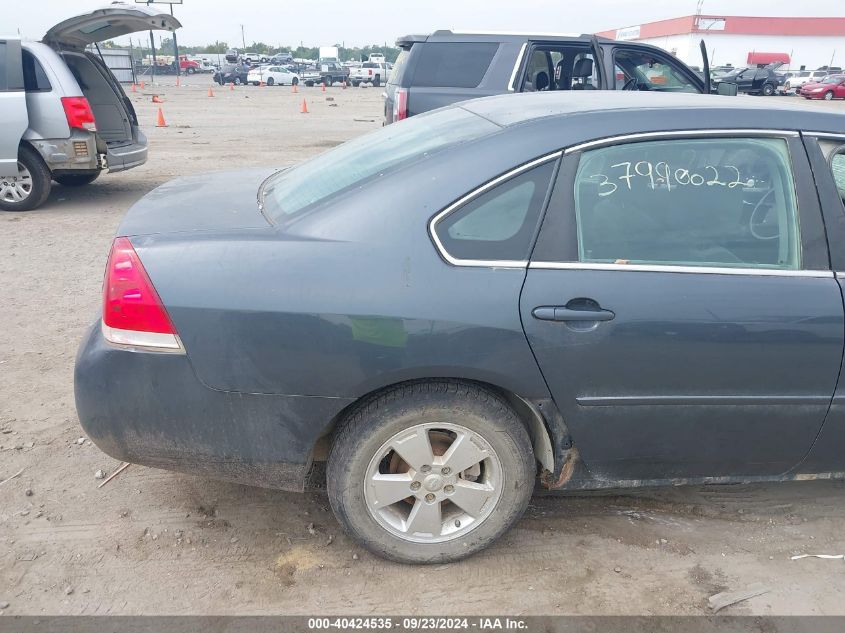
(13, 112)
(681, 306)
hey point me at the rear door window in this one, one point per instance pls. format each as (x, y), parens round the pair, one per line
(398, 68)
(453, 64)
(727, 202)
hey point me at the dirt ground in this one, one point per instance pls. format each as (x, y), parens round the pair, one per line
(154, 542)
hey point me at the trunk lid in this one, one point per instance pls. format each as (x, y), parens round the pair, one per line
(116, 19)
(208, 202)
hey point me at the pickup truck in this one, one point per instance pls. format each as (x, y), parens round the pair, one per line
(326, 73)
(375, 73)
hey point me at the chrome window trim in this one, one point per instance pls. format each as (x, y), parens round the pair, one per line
(670, 268)
(485, 263)
(824, 135)
(612, 140)
(512, 82)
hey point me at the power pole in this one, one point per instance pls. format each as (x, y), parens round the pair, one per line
(175, 48)
(243, 38)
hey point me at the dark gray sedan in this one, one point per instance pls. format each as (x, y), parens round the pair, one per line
(573, 290)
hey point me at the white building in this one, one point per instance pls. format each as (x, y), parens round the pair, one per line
(742, 41)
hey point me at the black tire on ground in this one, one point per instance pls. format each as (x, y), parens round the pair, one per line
(828, 96)
(237, 81)
(270, 81)
(294, 81)
(377, 81)
(378, 419)
(327, 81)
(41, 182)
(356, 83)
(76, 180)
(768, 90)
(190, 71)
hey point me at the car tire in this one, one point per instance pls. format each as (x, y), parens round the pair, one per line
(327, 81)
(76, 180)
(294, 81)
(356, 83)
(190, 71)
(768, 90)
(828, 96)
(478, 419)
(34, 173)
(237, 81)
(377, 81)
(270, 81)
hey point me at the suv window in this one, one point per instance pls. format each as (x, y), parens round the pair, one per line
(3, 54)
(837, 165)
(302, 187)
(398, 68)
(499, 224)
(727, 202)
(34, 77)
(453, 64)
(640, 70)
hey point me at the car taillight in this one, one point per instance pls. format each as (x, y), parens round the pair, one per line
(79, 114)
(133, 313)
(400, 104)
(370, 71)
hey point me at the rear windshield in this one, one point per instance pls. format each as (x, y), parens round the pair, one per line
(370, 65)
(398, 68)
(453, 64)
(352, 164)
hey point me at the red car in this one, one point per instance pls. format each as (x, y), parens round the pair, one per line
(831, 87)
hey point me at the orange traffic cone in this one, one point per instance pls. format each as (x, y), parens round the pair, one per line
(134, 89)
(261, 84)
(210, 92)
(304, 107)
(142, 84)
(232, 86)
(160, 122)
(157, 99)
(178, 81)
(324, 87)
(294, 89)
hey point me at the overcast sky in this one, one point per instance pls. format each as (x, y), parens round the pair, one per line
(360, 22)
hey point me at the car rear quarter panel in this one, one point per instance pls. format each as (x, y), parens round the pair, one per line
(350, 299)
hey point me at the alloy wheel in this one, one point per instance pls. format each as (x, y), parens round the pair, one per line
(433, 482)
(16, 188)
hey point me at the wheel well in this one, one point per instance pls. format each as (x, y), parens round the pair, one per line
(529, 414)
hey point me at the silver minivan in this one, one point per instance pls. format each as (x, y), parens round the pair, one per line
(63, 114)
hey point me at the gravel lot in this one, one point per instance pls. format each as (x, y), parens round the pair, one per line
(153, 542)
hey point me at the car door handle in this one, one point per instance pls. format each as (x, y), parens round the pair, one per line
(563, 313)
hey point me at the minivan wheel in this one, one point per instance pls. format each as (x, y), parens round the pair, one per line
(430, 472)
(76, 180)
(768, 90)
(30, 187)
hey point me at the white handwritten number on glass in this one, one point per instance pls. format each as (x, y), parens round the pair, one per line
(662, 175)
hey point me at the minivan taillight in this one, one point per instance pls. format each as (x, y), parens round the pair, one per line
(79, 113)
(400, 104)
(133, 313)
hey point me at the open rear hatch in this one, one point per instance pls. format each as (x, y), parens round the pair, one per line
(114, 20)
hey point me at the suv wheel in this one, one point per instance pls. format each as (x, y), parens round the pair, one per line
(30, 187)
(430, 472)
(768, 90)
(76, 180)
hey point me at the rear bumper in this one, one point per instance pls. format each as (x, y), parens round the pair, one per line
(76, 153)
(128, 156)
(150, 408)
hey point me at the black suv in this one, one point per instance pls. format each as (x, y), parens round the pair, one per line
(438, 69)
